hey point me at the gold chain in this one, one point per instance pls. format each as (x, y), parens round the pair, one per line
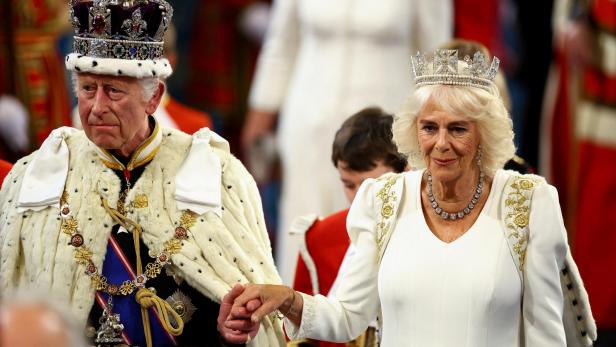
(83, 255)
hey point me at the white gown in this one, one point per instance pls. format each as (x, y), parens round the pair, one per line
(431, 293)
(321, 62)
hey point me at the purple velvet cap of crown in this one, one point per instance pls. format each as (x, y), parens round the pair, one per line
(120, 37)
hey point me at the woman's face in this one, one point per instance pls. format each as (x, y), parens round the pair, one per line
(448, 143)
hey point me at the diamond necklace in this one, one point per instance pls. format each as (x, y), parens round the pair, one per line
(455, 215)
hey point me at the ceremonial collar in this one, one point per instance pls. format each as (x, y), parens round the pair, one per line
(141, 156)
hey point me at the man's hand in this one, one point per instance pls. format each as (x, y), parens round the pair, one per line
(237, 329)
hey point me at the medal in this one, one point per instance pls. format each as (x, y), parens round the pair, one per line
(111, 329)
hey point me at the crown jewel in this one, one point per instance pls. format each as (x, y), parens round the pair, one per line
(444, 69)
(120, 29)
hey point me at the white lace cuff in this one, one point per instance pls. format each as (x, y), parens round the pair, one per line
(308, 315)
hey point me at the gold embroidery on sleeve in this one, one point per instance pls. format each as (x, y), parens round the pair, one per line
(388, 199)
(517, 214)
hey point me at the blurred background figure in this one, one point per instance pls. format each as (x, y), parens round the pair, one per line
(5, 167)
(33, 321)
(31, 67)
(525, 43)
(14, 123)
(220, 40)
(582, 129)
(171, 112)
(320, 62)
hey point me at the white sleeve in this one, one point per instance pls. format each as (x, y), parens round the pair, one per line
(542, 306)
(275, 63)
(346, 316)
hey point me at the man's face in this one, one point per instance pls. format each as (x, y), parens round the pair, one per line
(113, 112)
(351, 179)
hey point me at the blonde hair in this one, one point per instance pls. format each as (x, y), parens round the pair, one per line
(484, 108)
(468, 48)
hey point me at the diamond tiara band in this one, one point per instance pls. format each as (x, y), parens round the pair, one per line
(444, 68)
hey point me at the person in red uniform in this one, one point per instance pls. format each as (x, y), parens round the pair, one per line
(5, 167)
(362, 148)
(587, 43)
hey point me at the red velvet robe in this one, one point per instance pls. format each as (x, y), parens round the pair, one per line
(327, 242)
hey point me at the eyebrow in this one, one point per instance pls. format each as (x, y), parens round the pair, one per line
(454, 123)
(118, 85)
(460, 123)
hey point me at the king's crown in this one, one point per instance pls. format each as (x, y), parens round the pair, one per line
(443, 68)
(121, 29)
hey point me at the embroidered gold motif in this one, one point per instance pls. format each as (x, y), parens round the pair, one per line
(127, 287)
(517, 214)
(82, 255)
(152, 270)
(173, 246)
(387, 210)
(387, 198)
(141, 201)
(98, 282)
(188, 219)
(69, 226)
(521, 220)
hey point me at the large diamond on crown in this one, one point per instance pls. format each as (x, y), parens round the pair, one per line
(98, 48)
(446, 62)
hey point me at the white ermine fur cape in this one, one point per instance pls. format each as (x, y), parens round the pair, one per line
(220, 252)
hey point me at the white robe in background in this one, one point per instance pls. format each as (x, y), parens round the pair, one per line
(321, 62)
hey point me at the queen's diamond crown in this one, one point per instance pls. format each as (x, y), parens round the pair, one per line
(444, 69)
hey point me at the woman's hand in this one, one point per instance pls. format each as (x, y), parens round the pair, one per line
(239, 328)
(257, 124)
(271, 298)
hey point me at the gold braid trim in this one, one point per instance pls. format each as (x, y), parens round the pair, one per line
(517, 214)
(388, 200)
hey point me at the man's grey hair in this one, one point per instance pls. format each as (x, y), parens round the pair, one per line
(149, 85)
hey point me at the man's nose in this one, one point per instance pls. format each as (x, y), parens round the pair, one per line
(100, 102)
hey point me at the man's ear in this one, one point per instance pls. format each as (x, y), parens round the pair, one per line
(154, 101)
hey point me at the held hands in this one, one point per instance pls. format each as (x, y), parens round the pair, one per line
(272, 297)
(237, 328)
(244, 306)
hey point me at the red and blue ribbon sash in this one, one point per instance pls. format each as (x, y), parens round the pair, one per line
(117, 269)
